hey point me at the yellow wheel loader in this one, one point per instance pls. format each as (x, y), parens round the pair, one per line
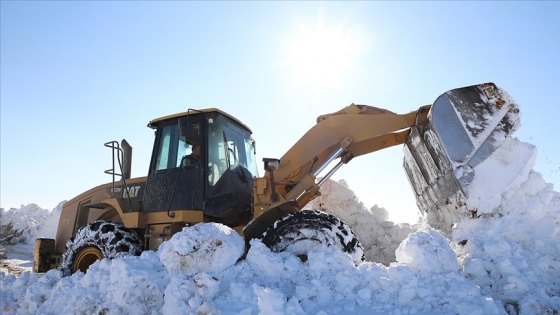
(203, 169)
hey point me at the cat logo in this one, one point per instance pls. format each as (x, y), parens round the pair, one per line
(131, 192)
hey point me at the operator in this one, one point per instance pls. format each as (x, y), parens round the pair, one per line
(195, 154)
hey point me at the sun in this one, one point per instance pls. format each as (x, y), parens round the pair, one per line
(322, 57)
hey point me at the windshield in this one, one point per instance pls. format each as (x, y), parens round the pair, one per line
(228, 147)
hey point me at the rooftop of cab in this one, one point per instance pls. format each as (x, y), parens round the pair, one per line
(154, 122)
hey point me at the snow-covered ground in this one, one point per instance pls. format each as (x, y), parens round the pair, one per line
(506, 261)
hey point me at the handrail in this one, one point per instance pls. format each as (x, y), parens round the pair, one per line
(116, 149)
(119, 153)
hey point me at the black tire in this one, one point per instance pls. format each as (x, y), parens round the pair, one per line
(301, 230)
(97, 240)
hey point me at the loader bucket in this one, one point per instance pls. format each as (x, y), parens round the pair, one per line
(464, 127)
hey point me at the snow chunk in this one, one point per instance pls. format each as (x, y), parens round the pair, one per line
(427, 250)
(506, 168)
(210, 247)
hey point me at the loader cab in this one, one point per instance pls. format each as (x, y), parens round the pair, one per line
(218, 181)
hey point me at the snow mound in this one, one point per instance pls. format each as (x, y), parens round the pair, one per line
(513, 251)
(27, 223)
(129, 285)
(263, 283)
(209, 247)
(427, 250)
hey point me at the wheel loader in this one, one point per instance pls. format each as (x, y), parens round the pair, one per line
(203, 169)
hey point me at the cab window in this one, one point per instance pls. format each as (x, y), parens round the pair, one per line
(172, 148)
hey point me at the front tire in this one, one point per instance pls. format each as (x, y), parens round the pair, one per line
(98, 240)
(301, 231)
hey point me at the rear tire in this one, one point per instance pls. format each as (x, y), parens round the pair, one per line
(98, 240)
(301, 231)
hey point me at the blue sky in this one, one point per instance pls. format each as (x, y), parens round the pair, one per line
(75, 75)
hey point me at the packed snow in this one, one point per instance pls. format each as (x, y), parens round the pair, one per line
(505, 261)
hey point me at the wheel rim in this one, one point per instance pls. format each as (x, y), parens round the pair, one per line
(85, 258)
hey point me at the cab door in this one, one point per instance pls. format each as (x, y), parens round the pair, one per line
(174, 182)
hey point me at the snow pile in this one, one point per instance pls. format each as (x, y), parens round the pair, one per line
(29, 222)
(129, 285)
(512, 248)
(263, 283)
(514, 253)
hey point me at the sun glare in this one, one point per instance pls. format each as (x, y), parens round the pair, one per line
(321, 57)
